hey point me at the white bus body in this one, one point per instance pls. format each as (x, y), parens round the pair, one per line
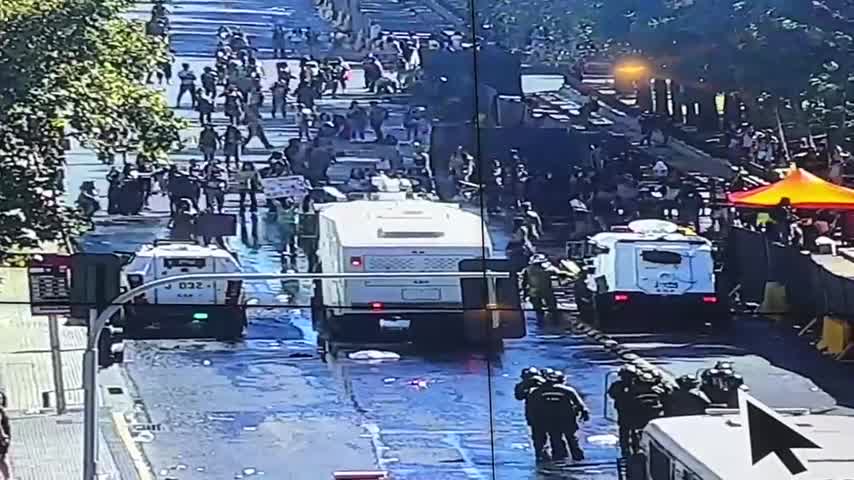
(397, 235)
(716, 447)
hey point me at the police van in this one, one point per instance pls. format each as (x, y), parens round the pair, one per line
(646, 273)
(389, 231)
(716, 447)
(218, 306)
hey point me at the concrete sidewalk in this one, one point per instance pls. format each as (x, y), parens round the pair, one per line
(44, 446)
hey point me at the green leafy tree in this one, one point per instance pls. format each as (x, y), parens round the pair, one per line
(70, 69)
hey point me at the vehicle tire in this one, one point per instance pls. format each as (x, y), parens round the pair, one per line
(318, 313)
(598, 318)
(229, 325)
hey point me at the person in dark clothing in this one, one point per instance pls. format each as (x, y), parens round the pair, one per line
(204, 106)
(232, 143)
(530, 381)
(307, 228)
(687, 399)
(183, 224)
(559, 406)
(377, 116)
(209, 80)
(621, 392)
(208, 142)
(181, 185)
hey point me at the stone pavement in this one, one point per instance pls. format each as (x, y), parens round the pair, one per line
(45, 447)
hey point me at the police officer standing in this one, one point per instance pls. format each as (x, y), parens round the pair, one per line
(621, 392)
(531, 379)
(537, 281)
(559, 406)
(687, 399)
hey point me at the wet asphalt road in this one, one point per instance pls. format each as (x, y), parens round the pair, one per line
(269, 407)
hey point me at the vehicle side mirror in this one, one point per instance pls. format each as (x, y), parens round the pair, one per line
(597, 250)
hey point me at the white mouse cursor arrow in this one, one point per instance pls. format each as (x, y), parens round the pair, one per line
(769, 433)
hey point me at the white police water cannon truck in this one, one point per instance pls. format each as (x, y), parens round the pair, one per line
(217, 306)
(647, 275)
(392, 230)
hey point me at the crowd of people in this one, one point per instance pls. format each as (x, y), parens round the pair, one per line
(641, 395)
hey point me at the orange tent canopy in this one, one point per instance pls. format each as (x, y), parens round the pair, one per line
(802, 188)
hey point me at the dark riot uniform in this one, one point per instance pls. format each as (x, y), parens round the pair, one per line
(621, 392)
(531, 380)
(687, 399)
(556, 407)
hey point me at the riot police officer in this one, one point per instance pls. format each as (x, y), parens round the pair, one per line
(531, 379)
(559, 406)
(687, 399)
(537, 279)
(621, 392)
(721, 384)
(646, 405)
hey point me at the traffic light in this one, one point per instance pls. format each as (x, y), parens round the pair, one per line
(95, 282)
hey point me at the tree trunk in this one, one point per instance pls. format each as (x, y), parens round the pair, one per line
(660, 88)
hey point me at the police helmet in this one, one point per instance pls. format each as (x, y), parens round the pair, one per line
(724, 365)
(530, 372)
(538, 259)
(688, 381)
(627, 371)
(556, 376)
(547, 372)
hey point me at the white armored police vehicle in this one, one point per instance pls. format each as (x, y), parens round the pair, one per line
(648, 273)
(216, 305)
(390, 231)
(716, 446)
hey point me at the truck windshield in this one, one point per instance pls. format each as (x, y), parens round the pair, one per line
(659, 256)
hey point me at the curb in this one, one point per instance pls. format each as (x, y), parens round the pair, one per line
(627, 355)
(123, 429)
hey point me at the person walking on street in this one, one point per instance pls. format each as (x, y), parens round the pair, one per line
(279, 92)
(248, 184)
(209, 81)
(256, 129)
(279, 41)
(287, 219)
(5, 440)
(204, 105)
(308, 241)
(305, 119)
(232, 142)
(209, 142)
(188, 85)
(215, 187)
(233, 104)
(377, 116)
(358, 118)
(531, 379)
(560, 407)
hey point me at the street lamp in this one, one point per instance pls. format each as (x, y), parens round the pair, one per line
(97, 322)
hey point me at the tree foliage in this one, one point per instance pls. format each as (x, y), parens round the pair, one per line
(790, 54)
(69, 69)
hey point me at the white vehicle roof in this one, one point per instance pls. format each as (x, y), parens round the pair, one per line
(609, 239)
(405, 223)
(182, 250)
(718, 445)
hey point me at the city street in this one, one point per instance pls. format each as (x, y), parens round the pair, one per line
(270, 406)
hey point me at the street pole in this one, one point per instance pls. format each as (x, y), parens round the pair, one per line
(56, 359)
(90, 398)
(97, 322)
